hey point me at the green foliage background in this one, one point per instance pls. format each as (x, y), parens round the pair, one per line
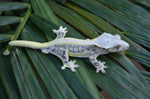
(30, 74)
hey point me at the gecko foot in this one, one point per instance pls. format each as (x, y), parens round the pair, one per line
(60, 30)
(101, 67)
(70, 65)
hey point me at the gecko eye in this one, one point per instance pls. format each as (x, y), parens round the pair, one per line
(118, 46)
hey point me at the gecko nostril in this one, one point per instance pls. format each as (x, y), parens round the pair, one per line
(127, 48)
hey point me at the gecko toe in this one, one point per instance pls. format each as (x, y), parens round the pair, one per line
(63, 67)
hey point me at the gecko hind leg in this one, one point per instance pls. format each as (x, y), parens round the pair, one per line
(63, 55)
(98, 64)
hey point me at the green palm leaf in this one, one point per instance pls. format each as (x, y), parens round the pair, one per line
(12, 5)
(8, 20)
(30, 74)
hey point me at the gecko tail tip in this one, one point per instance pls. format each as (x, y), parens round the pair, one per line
(11, 43)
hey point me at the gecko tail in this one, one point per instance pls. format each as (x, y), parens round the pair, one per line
(29, 44)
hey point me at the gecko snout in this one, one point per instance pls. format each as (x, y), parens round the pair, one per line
(124, 46)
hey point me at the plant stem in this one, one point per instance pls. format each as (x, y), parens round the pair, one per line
(19, 28)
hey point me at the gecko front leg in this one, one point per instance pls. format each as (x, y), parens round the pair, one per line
(97, 64)
(63, 55)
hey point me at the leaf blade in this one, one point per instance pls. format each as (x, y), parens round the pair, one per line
(7, 77)
(5, 37)
(29, 82)
(42, 9)
(6, 20)
(12, 5)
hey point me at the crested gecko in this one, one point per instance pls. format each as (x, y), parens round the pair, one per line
(64, 47)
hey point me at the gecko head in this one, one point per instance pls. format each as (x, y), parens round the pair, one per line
(119, 46)
(112, 42)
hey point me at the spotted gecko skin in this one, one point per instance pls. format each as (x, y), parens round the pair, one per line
(90, 48)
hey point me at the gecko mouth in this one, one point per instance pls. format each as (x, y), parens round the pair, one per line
(123, 48)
